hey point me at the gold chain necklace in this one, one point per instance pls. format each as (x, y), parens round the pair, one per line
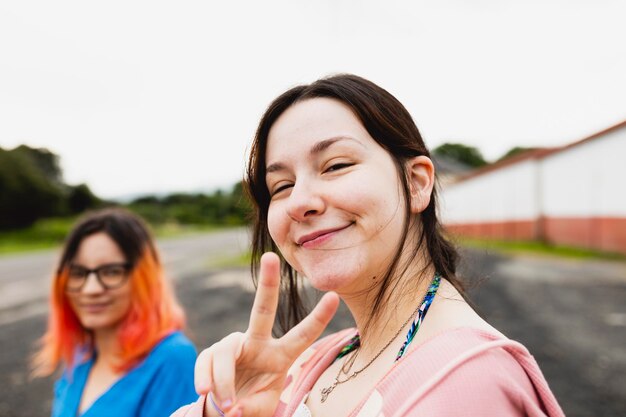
(326, 391)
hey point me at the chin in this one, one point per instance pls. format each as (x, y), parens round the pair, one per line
(95, 325)
(329, 274)
(330, 281)
(98, 323)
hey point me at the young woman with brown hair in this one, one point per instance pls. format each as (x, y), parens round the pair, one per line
(345, 195)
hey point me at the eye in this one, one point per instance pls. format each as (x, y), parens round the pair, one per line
(77, 272)
(112, 271)
(281, 188)
(338, 166)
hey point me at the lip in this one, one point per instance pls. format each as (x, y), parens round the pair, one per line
(94, 307)
(319, 236)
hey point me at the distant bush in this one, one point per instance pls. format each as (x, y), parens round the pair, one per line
(219, 208)
(465, 154)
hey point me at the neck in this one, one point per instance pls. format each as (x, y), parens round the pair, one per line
(107, 346)
(405, 293)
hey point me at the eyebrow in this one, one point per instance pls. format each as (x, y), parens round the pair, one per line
(319, 147)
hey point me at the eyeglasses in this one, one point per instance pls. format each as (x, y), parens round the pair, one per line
(110, 276)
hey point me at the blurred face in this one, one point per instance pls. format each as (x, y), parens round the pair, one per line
(336, 210)
(97, 307)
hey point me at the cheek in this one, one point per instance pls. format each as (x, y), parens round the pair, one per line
(122, 302)
(73, 302)
(125, 302)
(278, 228)
(377, 204)
(276, 225)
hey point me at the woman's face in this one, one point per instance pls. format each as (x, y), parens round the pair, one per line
(96, 307)
(337, 208)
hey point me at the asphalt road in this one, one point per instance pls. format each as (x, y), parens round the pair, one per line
(570, 314)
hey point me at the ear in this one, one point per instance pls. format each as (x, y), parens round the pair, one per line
(421, 175)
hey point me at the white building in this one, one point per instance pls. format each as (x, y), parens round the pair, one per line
(574, 195)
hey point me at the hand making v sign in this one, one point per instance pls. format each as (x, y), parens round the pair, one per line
(246, 372)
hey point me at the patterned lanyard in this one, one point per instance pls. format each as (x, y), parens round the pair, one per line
(355, 342)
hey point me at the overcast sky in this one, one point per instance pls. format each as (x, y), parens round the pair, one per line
(140, 97)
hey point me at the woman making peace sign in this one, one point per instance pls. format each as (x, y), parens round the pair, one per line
(344, 192)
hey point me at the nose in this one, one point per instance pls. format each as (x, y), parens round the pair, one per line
(92, 285)
(304, 201)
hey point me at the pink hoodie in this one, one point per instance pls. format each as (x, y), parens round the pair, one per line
(460, 372)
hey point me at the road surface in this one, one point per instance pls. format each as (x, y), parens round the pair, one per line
(570, 314)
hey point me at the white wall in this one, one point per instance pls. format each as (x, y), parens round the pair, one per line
(587, 179)
(583, 181)
(508, 193)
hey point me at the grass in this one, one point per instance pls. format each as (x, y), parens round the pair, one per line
(173, 230)
(538, 248)
(44, 234)
(237, 261)
(50, 233)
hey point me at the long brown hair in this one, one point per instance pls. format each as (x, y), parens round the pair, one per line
(389, 123)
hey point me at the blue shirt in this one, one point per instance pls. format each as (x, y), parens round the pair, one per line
(157, 386)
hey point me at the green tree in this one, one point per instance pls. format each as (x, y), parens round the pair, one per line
(26, 192)
(241, 204)
(467, 155)
(149, 199)
(45, 161)
(32, 187)
(515, 151)
(218, 208)
(81, 198)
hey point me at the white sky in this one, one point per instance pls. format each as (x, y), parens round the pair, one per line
(153, 96)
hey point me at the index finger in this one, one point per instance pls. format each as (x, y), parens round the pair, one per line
(266, 298)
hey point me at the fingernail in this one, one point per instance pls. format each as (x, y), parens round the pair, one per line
(226, 404)
(239, 413)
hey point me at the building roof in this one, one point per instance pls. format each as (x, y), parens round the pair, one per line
(540, 153)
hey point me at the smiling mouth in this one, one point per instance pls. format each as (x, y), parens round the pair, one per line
(320, 235)
(94, 307)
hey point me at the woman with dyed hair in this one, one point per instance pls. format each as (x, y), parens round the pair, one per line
(115, 325)
(344, 193)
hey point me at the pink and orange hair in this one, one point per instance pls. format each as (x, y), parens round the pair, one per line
(154, 310)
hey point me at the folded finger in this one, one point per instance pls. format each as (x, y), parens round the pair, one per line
(263, 403)
(225, 354)
(203, 373)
